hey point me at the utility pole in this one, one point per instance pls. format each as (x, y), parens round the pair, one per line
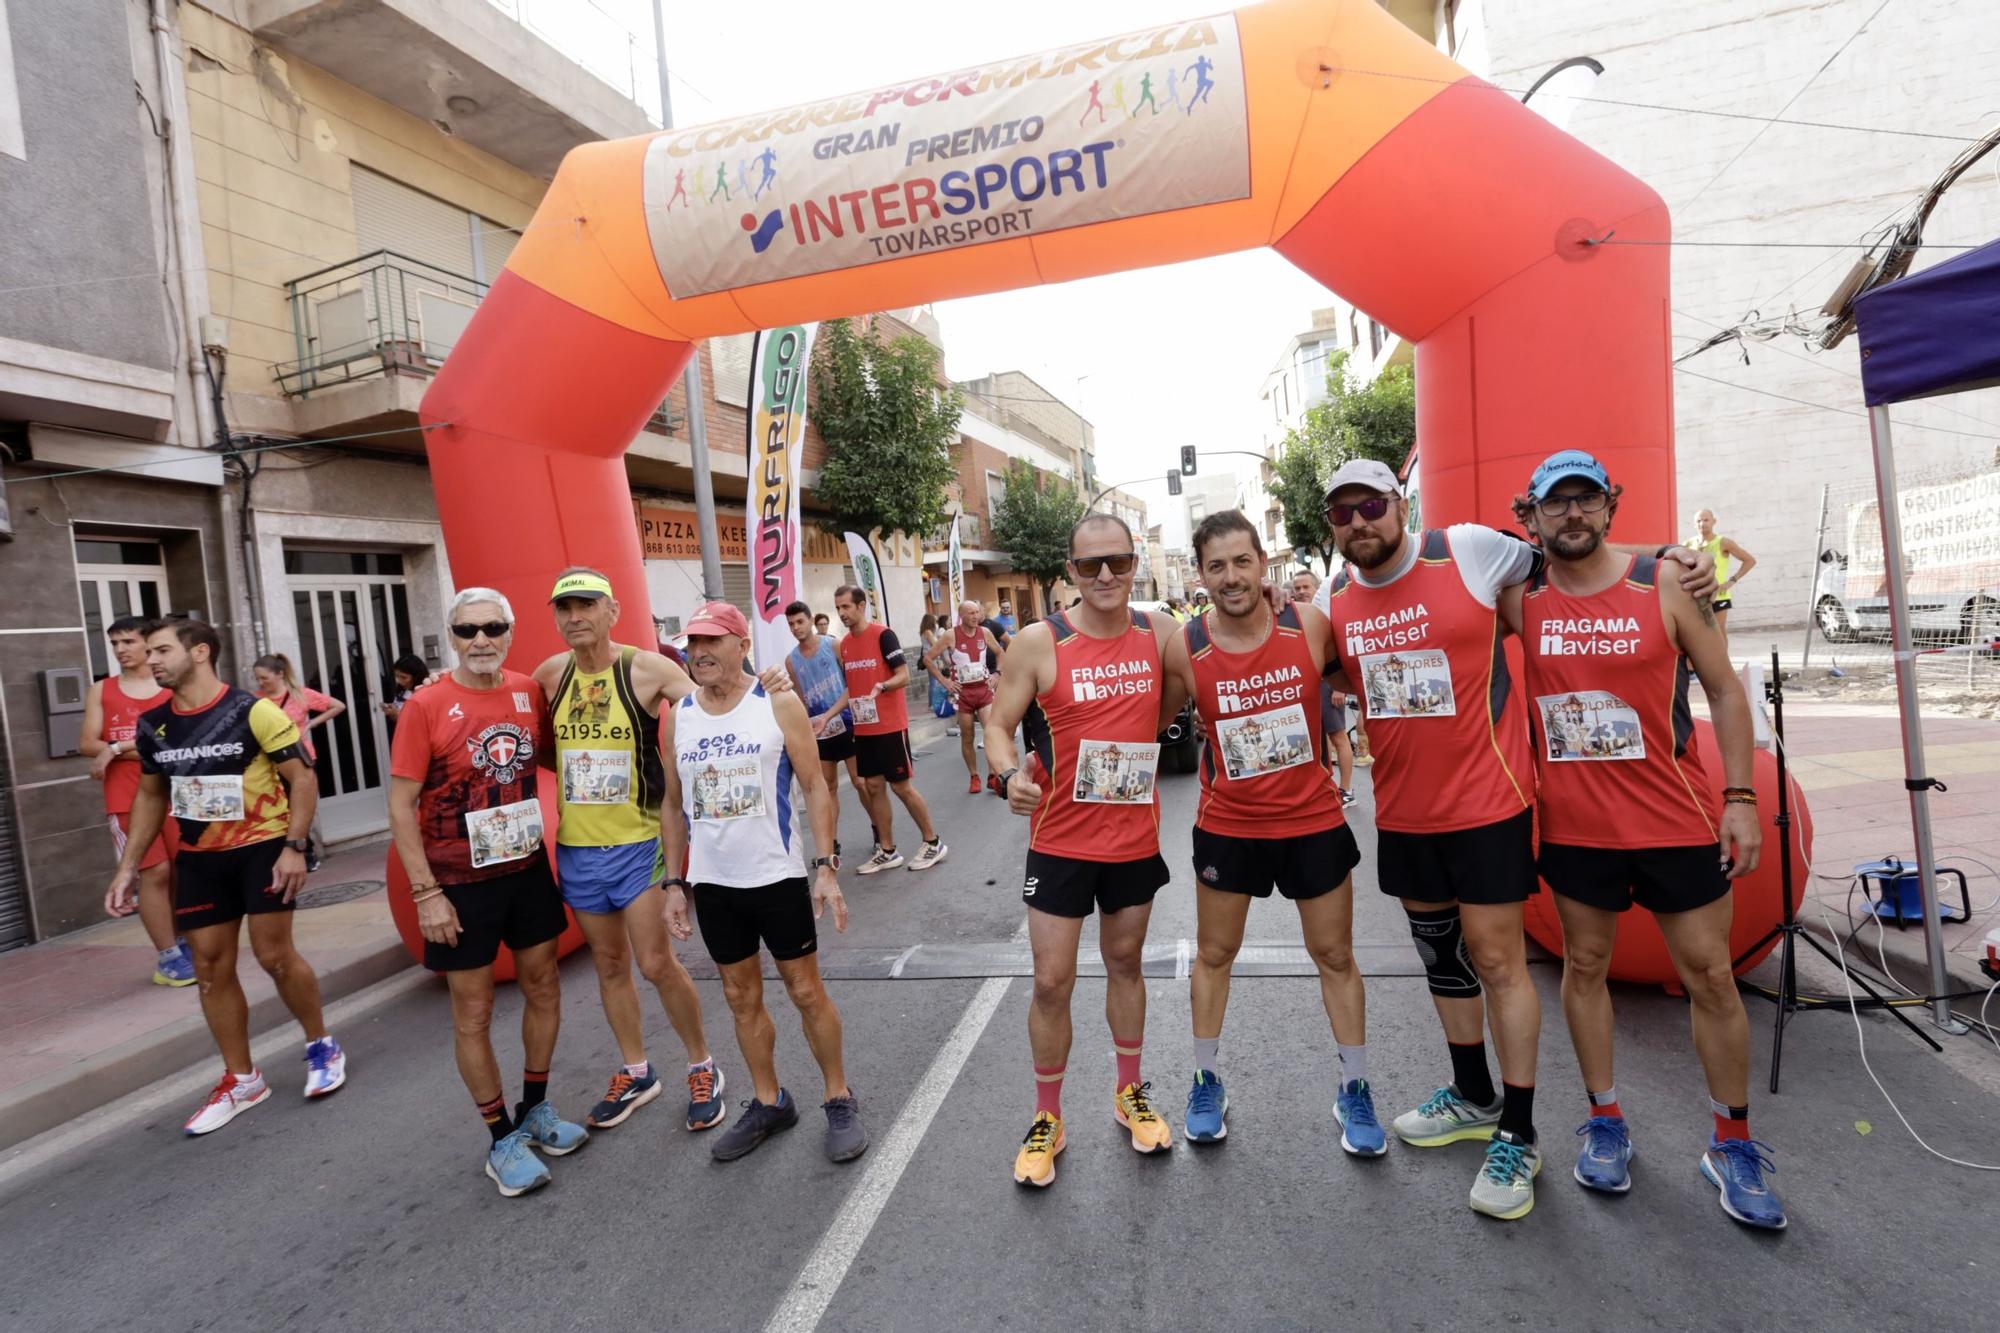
(704, 482)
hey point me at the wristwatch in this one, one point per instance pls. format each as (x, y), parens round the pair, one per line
(676, 882)
(300, 845)
(830, 862)
(1008, 777)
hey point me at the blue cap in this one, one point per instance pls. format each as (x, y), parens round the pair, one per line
(1561, 466)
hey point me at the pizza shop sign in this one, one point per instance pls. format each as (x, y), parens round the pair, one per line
(672, 534)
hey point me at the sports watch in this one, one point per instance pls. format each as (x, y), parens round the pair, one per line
(300, 845)
(830, 862)
(676, 882)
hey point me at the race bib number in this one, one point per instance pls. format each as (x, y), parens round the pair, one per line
(1413, 683)
(504, 833)
(729, 790)
(865, 710)
(1261, 744)
(596, 777)
(1115, 772)
(970, 673)
(1589, 724)
(212, 800)
(835, 726)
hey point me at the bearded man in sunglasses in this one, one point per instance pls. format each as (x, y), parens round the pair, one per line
(1454, 786)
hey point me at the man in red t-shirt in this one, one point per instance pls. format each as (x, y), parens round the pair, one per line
(110, 717)
(468, 827)
(877, 673)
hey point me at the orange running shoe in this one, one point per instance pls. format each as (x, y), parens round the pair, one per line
(1150, 1131)
(1035, 1164)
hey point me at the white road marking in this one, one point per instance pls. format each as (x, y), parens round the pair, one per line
(826, 1267)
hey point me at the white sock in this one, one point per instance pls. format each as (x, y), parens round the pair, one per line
(1204, 1054)
(1353, 1064)
(639, 1070)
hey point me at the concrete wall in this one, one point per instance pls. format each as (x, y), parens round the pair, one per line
(78, 210)
(65, 849)
(1757, 460)
(275, 141)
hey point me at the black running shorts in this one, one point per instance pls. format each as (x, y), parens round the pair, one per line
(734, 922)
(520, 910)
(1303, 866)
(1067, 886)
(836, 749)
(884, 756)
(1663, 880)
(1486, 865)
(215, 888)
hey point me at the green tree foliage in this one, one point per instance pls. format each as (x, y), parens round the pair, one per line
(1031, 522)
(889, 421)
(1377, 420)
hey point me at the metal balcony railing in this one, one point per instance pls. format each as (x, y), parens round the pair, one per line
(971, 529)
(383, 314)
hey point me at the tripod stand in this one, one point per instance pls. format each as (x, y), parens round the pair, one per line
(1790, 931)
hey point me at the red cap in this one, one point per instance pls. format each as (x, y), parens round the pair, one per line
(717, 618)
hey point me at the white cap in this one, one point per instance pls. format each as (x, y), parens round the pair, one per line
(1365, 472)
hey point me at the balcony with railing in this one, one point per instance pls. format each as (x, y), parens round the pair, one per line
(383, 314)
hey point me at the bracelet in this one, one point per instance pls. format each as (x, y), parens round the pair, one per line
(416, 889)
(1739, 800)
(421, 898)
(1739, 791)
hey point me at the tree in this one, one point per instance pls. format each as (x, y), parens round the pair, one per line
(1032, 522)
(889, 420)
(1376, 420)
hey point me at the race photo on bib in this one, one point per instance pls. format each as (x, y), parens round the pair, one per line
(597, 777)
(211, 800)
(865, 709)
(1116, 773)
(1590, 724)
(729, 790)
(1264, 743)
(1408, 684)
(504, 833)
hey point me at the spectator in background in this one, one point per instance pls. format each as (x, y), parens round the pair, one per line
(305, 706)
(409, 672)
(1727, 575)
(821, 625)
(1005, 619)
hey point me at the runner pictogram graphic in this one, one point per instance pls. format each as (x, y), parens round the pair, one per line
(721, 182)
(1096, 103)
(1203, 84)
(1118, 97)
(1173, 90)
(768, 160)
(743, 176)
(1146, 95)
(680, 190)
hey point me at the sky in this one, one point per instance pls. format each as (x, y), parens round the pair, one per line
(1155, 358)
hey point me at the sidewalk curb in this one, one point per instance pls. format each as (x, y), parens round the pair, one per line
(42, 1104)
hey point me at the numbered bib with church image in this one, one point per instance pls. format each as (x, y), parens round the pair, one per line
(1590, 725)
(1411, 683)
(511, 832)
(728, 789)
(1259, 744)
(1116, 772)
(596, 777)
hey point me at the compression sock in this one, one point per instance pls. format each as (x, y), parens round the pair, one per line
(534, 1091)
(1048, 1090)
(1731, 1122)
(494, 1113)
(1204, 1054)
(1128, 1059)
(1517, 1111)
(1468, 1073)
(1606, 1103)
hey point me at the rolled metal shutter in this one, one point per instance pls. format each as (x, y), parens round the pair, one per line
(14, 930)
(389, 215)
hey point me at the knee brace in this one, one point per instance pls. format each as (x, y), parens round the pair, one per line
(1440, 940)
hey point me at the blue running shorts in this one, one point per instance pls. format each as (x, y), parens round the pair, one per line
(607, 879)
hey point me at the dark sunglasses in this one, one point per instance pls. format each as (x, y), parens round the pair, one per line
(1088, 565)
(492, 629)
(1340, 515)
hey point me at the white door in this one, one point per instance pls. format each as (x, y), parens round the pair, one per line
(117, 576)
(352, 627)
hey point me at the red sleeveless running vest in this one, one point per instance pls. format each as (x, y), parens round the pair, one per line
(1614, 741)
(1099, 801)
(121, 719)
(1263, 769)
(1444, 721)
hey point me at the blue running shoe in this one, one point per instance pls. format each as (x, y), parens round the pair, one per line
(1360, 1132)
(513, 1168)
(326, 1067)
(174, 968)
(705, 1105)
(1607, 1148)
(1207, 1119)
(1736, 1168)
(625, 1095)
(550, 1132)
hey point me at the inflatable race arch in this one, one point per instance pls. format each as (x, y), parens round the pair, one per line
(1321, 128)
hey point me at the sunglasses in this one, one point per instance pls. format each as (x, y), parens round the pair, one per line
(1590, 502)
(1340, 515)
(492, 629)
(1089, 565)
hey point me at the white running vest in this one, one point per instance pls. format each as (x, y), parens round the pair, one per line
(736, 793)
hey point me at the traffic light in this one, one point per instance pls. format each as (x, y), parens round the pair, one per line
(1187, 461)
(1173, 482)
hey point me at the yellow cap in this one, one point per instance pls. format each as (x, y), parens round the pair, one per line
(581, 585)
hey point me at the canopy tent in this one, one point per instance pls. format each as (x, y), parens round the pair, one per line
(1930, 333)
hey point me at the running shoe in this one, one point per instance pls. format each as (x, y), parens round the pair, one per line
(1347, 798)
(933, 852)
(1035, 1164)
(326, 1067)
(705, 1105)
(1446, 1118)
(1363, 760)
(174, 967)
(1207, 1118)
(1607, 1148)
(625, 1095)
(550, 1132)
(1360, 1132)
(996, 786)
(227, 1100)
(975, 787)
(845, 1138)
(513, 1168)
(883, 859)
(1736, 1168)
(757, 1123)
(1150, 1131)
(1505, 1186)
